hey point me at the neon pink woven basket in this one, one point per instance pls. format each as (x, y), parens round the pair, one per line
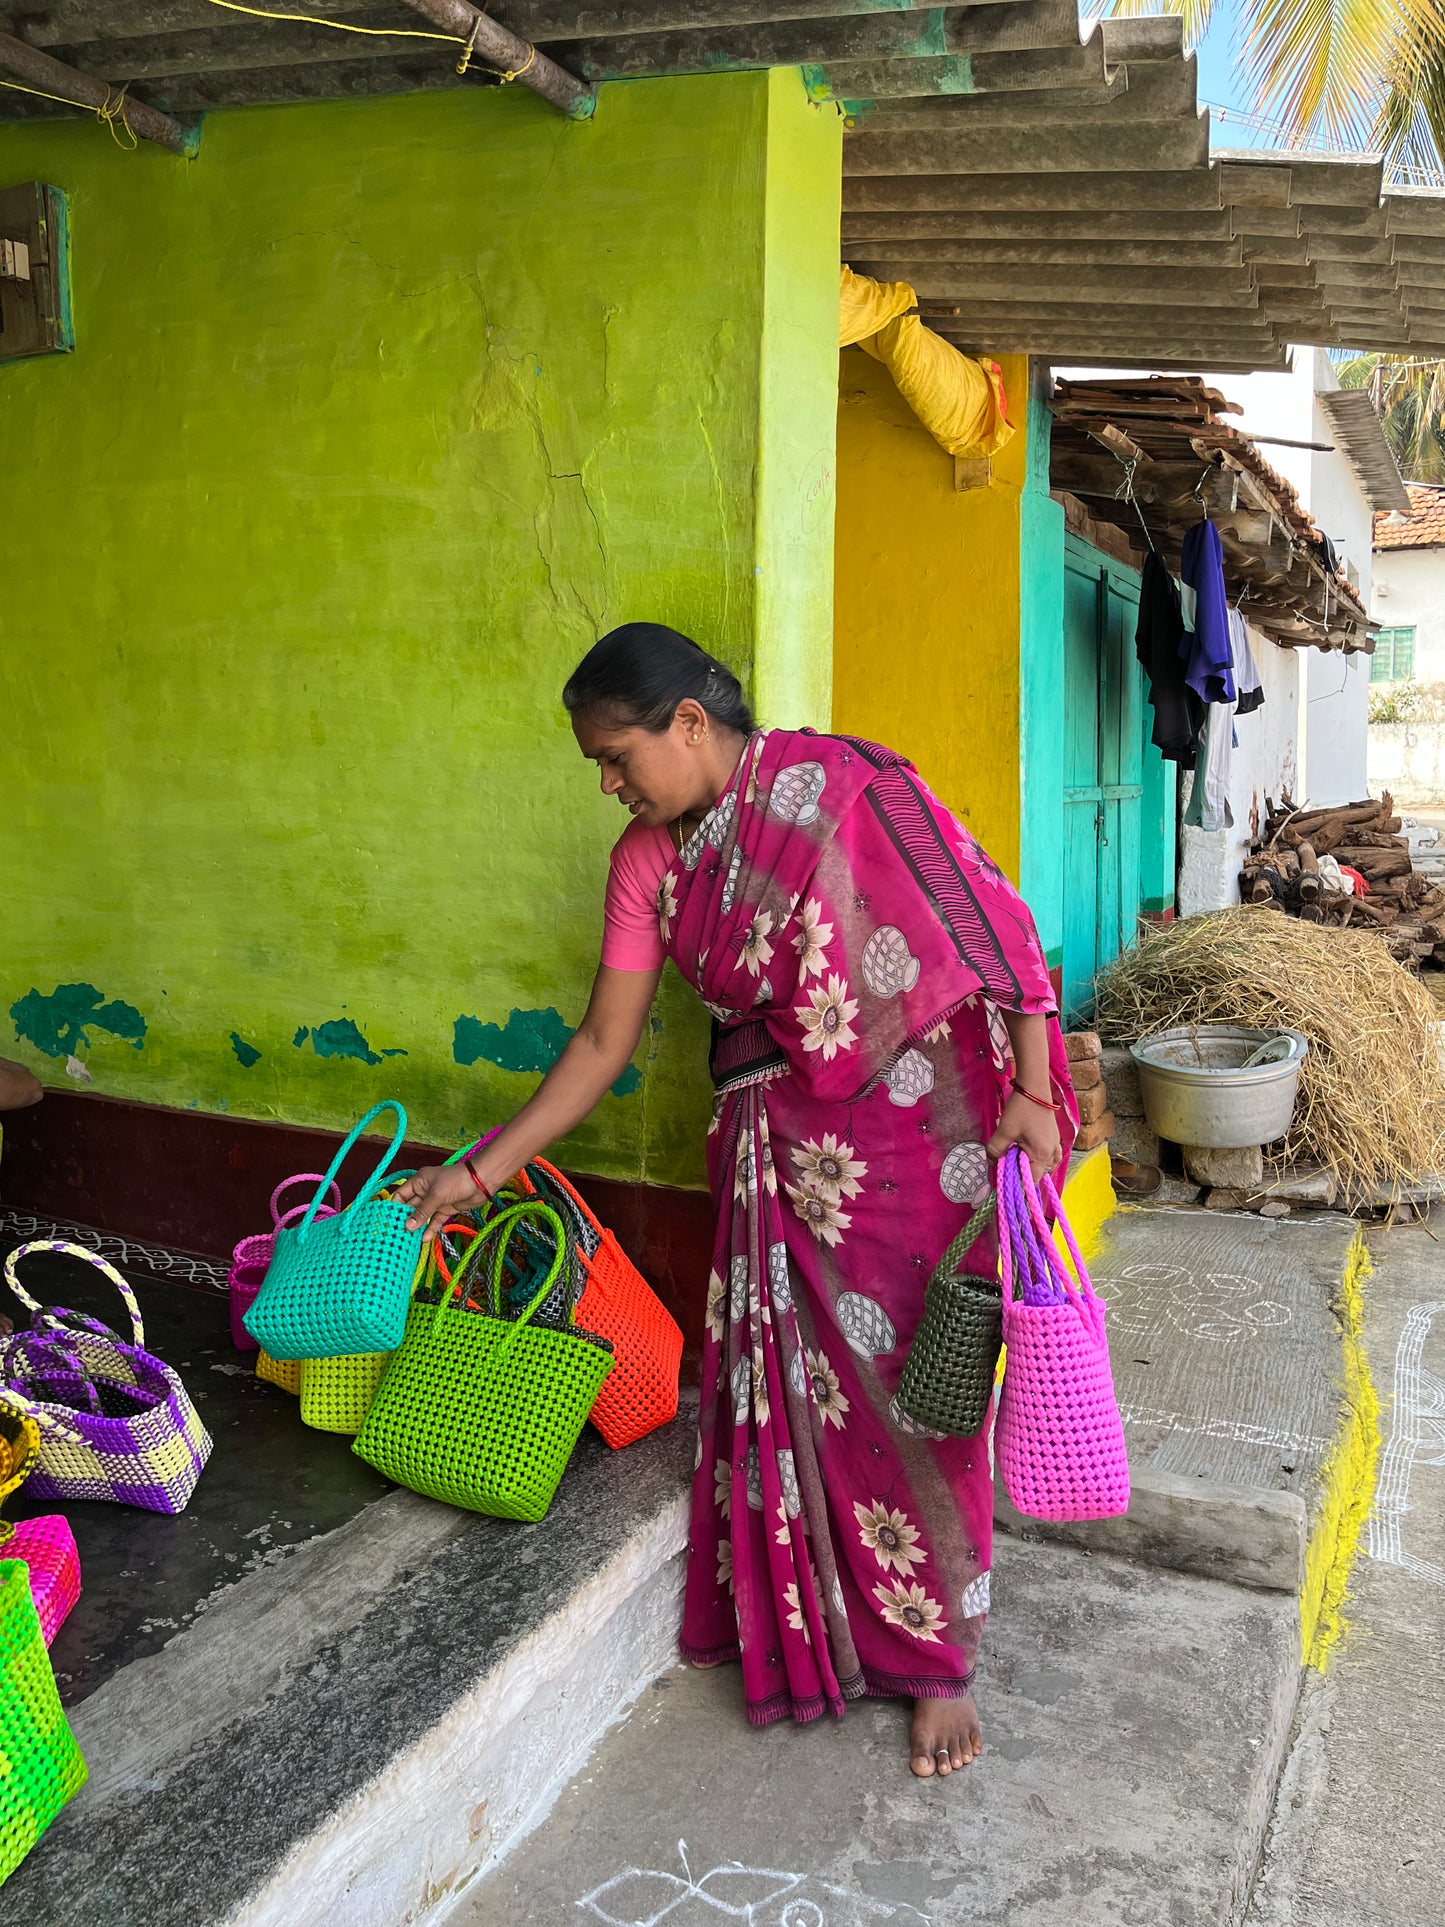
(252, 1255)
(1059, 1440)
(47, 1546)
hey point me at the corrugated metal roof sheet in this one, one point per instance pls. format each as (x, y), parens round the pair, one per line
(1045, 194)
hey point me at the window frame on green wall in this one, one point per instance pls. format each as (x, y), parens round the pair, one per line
(1391, 646)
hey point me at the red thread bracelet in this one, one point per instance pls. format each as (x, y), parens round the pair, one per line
(1042, 1102)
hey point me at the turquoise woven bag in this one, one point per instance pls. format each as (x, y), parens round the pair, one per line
(482, 1410)
(340, 1285)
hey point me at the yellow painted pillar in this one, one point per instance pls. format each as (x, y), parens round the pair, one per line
(926, 601)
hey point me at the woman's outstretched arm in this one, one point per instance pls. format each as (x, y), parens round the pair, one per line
(594, 1058)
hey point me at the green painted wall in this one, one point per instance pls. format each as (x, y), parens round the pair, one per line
(379, 414)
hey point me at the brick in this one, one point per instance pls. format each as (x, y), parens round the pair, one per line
(1091, 1136)
(1121, 1075)
(1086, 1074)
(1092, 1104)
(1082, 1043)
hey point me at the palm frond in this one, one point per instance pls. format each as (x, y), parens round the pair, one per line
(1409, 396)
(1325, 65)
(1410, 127)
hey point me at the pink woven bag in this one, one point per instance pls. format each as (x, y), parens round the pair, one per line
(252, 1255)
(1059, 1439)
(47, 1546)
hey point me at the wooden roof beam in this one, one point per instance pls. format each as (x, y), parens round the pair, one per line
(38, 70)
(516, 59)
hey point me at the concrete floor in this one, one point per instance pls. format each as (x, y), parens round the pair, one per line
(1133, 1723)
(1225, 1350)
(1359, 1834)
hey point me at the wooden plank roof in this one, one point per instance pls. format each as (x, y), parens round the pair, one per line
(1045, 193)
(1153, 456)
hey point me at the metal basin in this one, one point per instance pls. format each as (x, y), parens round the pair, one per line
(1196, 1090)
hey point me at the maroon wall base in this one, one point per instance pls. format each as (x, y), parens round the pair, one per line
(201, 1182)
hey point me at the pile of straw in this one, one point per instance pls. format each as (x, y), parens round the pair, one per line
(1371, 1102)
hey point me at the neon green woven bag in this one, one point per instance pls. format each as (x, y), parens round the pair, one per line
(482, 1410)
(40, 1764)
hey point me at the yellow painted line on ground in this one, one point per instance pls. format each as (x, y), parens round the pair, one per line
(1348, 1477)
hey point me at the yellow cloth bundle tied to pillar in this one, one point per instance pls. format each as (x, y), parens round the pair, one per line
(958, 398)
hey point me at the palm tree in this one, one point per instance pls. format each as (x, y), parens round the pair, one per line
(1364, 74)
(1409, 398)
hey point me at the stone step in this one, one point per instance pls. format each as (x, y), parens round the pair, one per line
(351, 1734)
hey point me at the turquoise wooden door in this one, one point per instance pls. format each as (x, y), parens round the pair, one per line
(1105, 864)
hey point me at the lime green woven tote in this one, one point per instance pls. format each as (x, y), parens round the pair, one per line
(483, 1411)
(336, 1393)
(40, 1764)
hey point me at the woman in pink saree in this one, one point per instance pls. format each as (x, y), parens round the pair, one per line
(884, 1026)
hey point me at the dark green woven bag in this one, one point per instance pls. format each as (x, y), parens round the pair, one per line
(482, 1410)
(948, 1378)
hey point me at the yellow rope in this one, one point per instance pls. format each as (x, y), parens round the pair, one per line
(467, 43)
(340, 26)
(111, 111)
(517, 72)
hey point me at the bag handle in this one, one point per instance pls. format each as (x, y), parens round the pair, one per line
(24, 1345)
(398, 1139)
(1080, 1288)
(302, 1177)
(39, 1415)
(12, 1265)
(952, 1259)
(508, 1220)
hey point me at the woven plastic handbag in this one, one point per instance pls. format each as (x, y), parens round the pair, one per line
(47, 1549)
(40, 1763)
(480, 1410)
(47, 1545)
(1059, 1439)
(336, 1393)
(115, 1421)
(948, 1376)
(252, 1255)
(283, 1373)
(641, 1391)
(340, 1285)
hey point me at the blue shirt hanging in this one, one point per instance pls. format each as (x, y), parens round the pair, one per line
(1205, 648)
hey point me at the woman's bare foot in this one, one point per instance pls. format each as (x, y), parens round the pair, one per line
(945, 1736)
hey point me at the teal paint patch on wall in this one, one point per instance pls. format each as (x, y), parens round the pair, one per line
(431, 454)
(246, 1054)
(61, 1023)
(530, 1040)
(341, 1037)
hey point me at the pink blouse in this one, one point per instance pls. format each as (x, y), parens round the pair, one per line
(631, 933)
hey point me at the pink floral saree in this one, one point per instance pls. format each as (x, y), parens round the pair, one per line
(855, 947)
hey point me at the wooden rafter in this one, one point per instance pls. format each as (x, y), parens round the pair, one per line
(517, 59)
(38, 70)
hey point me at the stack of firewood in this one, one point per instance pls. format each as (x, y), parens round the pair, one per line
(1283, 870)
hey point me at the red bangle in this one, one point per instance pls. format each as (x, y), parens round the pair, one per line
(1042, 1102)
(467, 1167)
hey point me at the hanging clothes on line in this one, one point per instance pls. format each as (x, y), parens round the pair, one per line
(1159, 644)
(1246, 673)
(1205, 604)
(1208, 807)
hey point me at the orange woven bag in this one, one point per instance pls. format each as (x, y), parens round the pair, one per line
(640, 1392)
